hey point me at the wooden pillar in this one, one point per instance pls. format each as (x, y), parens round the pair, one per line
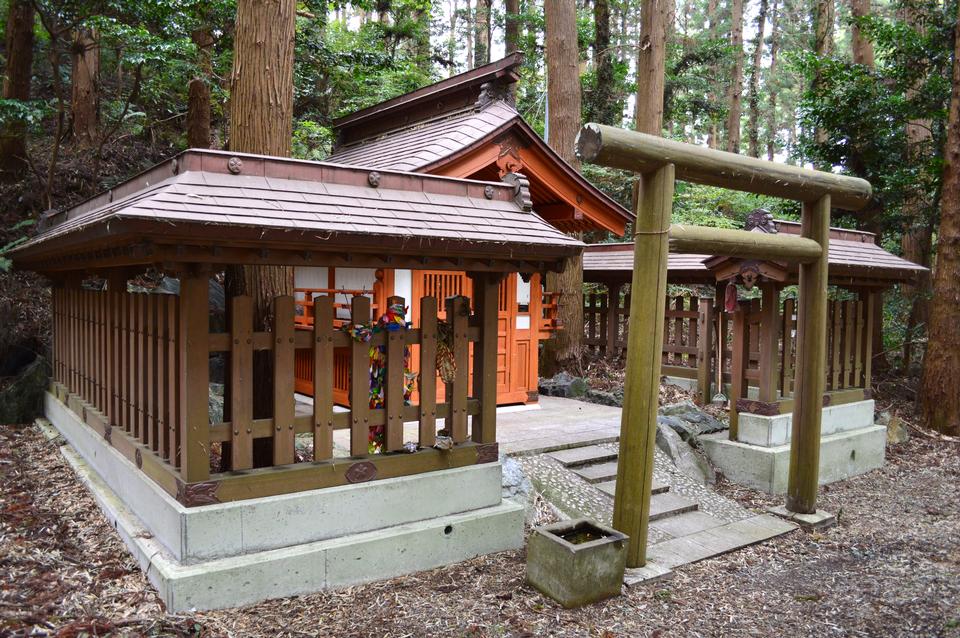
(613, 318)
(638, 425)
(739, 361)
(769, 338)
(486, 288)
(195, 377)
(811, 362)
(705, 350)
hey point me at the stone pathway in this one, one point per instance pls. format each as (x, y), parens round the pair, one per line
(688, 522)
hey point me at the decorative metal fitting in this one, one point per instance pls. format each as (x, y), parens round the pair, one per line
(374, 178)
(235, 165)
(488, 191)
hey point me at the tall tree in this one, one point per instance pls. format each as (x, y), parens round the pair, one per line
(511, 32)
(482, 20)
(198, 103)
(772, 83)
(823, 17)
(16, 86)
(860, 45)
(563, 123)
(712, 132)
(735, 88)
(603, 107)
(939, 398)
(651, 57)
(261, 121)
(753, 102)
(85, 88)
(917, 238)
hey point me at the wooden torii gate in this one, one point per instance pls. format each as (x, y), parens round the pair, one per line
(659, 162)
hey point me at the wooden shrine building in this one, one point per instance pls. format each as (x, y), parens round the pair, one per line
(132, 370)
(465, 126)
(743, 332)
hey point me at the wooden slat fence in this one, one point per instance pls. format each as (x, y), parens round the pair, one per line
(117, 352)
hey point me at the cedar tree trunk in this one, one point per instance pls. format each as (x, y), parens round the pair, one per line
(939, 396)
(85, 94)
(261, 121)
(563, 106)
(735, 89)
(16, 86)
(862, 47)
(198, 105)
(753, 128)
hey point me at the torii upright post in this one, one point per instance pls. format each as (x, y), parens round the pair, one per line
(804, 473)
(638, 425)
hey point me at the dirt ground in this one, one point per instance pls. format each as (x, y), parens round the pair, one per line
(891, 568)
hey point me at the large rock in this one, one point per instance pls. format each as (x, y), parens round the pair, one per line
(689, 461)
(564, 385)
(614, 398)
(699, 422)
(516, 486)
(21, 400)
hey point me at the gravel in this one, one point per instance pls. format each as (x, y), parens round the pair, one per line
(891, 568)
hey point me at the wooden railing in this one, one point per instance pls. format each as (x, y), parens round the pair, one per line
(136, 367)
(701, 342)
(303, 298)
(549, 319)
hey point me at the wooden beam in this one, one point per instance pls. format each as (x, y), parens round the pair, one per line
(745, 244)
(613, 318)
(638, 425)
(640, 153)
(811, 361)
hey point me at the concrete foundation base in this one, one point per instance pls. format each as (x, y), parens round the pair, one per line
(818, 520)
(766, 468)
(770, 431)
(241, 552)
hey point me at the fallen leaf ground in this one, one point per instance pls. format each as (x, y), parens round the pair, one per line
(891, 568)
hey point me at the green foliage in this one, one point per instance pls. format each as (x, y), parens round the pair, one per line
(19, 232)
(19, 112)
(863, 112)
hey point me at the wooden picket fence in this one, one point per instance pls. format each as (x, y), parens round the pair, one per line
(118, 353)
(136, 368)
(320, 344)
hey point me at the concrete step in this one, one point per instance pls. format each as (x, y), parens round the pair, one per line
(598, 473)
(578, 456)
(609, 487)
(668, 504)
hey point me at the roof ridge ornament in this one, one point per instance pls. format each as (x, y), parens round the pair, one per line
(495, 91)
(521, 190)
(762, 220)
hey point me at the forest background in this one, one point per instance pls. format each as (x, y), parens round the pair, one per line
(95, 91)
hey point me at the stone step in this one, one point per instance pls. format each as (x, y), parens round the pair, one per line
(609, 487)
(715, 540)
(584, 455)
(668, 504)
(597, 473)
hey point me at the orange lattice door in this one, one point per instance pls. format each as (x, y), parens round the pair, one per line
(511, 382)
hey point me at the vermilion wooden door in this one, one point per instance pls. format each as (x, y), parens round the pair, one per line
(442, 284)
